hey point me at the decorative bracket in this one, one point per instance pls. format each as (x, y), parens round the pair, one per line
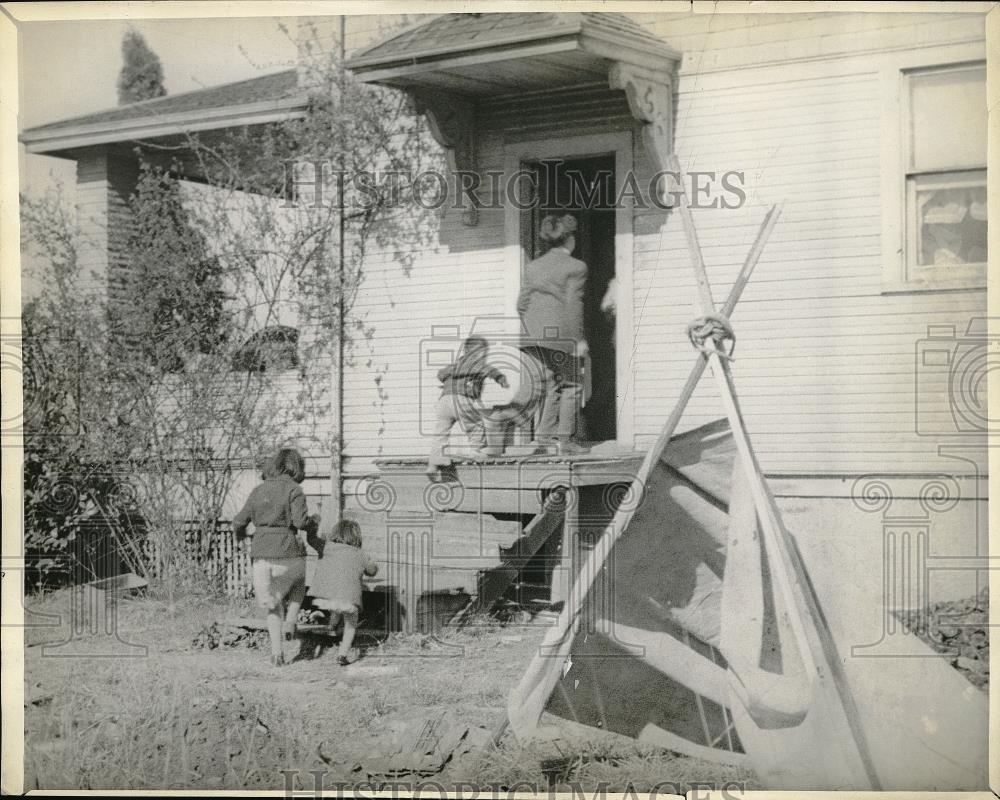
(650, 99)
(453, 126)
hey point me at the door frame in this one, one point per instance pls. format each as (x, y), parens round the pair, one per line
(621, 144)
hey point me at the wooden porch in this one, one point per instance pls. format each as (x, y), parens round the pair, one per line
(504, 484)
(478, 531)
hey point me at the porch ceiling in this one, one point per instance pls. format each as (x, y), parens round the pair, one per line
(479, 55)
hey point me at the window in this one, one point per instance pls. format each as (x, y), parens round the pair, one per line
(944, 132)
(272, 349)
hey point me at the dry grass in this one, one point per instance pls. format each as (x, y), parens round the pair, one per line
(174, 716)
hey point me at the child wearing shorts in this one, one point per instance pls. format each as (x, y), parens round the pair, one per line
(277, 509)
(336, 584)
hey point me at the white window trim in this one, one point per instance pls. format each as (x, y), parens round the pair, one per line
(893, 160)
(621, 144)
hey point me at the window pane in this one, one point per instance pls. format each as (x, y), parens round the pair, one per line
(950, 214)
(948, 119)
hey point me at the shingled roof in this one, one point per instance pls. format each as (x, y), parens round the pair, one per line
(276, 86)
(450, 32)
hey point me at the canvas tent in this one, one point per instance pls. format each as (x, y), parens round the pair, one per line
(693, 624)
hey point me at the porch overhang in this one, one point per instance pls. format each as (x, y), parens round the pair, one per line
(454, 62)
(166, 123)
(68, 141)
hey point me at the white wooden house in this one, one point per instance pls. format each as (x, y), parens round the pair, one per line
(860, 336)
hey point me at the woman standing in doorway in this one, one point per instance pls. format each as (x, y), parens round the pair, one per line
(551, 309)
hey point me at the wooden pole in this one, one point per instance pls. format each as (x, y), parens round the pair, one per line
(814, 640)
(763, 234)
(337, 476)
(544, 670)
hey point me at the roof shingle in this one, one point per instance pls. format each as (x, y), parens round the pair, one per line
(276, 86)
(466, 31)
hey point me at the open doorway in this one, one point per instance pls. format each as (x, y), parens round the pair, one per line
(584, 187)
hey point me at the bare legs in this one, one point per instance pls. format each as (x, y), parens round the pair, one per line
(281, 620)
(347, 637)
(280, 586)
(292, 617)
(274, 619)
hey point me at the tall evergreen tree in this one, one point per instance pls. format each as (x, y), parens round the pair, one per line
(172, 302)
(141, 76)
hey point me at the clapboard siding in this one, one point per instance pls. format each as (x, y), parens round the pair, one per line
(718, 42)
(385, 410)
(825, 362)
(452, 284)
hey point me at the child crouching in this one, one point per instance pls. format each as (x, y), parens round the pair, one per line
(336, 584)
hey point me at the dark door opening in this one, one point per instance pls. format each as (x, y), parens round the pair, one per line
(584, 187)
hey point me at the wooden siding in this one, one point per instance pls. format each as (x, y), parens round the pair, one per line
(450, 286)
(389, 395)
(825, 362)
(712, 42)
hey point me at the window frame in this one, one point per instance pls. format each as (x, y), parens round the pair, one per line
(900, 272)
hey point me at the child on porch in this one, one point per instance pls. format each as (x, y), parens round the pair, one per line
(277, 508)
(336, 584)
(461, 389)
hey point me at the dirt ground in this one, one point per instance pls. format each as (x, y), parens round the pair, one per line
(148, 702)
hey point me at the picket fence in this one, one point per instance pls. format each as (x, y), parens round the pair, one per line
(224, 560)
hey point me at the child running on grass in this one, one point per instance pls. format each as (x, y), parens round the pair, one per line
(336, 584)
(277, 509)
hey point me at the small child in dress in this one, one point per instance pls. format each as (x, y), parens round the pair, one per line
(336, 584)
(277, 509)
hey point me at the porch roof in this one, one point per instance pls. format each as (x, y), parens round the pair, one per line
(486, 54)
(268, 98)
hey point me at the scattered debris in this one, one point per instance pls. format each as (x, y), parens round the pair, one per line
(126, 584)
(258, 624)
(37, 700)
(425, 746)
(214, 636)
(958, 629)
(368, 671)
(561, 770)
(250, 623)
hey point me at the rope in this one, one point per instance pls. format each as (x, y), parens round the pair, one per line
(716, 328)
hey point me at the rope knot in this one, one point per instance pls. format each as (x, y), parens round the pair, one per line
(714, 327)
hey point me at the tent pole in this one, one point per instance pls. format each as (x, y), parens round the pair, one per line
(788, 572)
(544, 670)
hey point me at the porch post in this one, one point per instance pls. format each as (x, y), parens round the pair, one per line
(105, 182)
(565, 572)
